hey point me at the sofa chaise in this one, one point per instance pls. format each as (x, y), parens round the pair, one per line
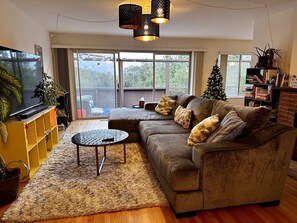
(252, 168)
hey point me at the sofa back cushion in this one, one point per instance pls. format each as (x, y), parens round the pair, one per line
(183, 100)
(201, 107)
(255, 117)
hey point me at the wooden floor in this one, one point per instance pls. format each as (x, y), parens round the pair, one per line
(286, 212)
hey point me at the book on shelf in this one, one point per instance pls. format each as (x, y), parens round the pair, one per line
(249, 94)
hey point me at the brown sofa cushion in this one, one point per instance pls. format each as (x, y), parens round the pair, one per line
(148, 128)
(255, 117)
(173, 158)
(201, 107)
(127, 119)
(183, 100)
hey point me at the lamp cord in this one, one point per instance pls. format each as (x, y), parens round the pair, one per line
(229, 8)
(269, 25)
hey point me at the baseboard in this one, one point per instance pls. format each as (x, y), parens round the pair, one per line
(186, 214)
(270, 204)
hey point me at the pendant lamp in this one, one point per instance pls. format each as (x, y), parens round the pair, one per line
(149, 31)
(130, 16)
(160, 11)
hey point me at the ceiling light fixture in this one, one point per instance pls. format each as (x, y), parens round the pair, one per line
(160, 11)
(149, 31)
(130, 16)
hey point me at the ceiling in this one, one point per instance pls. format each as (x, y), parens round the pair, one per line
(228, 19)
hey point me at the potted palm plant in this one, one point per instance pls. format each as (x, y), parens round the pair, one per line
(10, 180)
(9, 84)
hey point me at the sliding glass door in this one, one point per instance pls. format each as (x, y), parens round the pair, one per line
(95, 80)
(106, 80)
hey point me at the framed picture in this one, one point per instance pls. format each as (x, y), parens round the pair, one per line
(38, 52)
(293, 81)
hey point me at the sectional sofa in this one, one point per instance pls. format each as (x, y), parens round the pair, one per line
(252, 168)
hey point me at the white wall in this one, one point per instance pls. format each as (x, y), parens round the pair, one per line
(293, 67)
(283, 26)
(20, 32)
(210, 47)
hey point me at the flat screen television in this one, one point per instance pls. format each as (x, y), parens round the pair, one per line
(28, 69)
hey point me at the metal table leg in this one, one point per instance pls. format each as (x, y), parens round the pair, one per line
(124, 152)
(77, 148)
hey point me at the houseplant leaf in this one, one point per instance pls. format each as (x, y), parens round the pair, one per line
(5, 106)
(3, 132)
(10, 79)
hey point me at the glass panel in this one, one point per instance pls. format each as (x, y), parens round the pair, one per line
(232, 57)
(232, 79)
(172, 73)
(95, 84)
(137, 77)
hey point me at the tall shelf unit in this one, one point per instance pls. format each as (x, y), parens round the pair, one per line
(263, 91)
(31, 140)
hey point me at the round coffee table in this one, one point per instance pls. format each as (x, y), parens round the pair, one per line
(99, 137)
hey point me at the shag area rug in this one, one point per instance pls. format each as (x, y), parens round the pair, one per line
(62, 189)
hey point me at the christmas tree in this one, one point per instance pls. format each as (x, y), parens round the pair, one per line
(215, 88)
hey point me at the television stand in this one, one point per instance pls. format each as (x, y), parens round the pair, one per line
(32, 111)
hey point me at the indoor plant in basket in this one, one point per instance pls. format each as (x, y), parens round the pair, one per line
(10, 180)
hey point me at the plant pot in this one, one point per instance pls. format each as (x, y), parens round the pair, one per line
(263, 62)
(9, 187)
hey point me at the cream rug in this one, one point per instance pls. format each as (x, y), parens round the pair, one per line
(62, 189)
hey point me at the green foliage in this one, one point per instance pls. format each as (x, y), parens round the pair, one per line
(8, 85)
(215, 88)
(139, 74)
(47, 91)
(5, 174)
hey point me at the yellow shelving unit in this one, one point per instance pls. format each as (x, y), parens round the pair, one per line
(32, 139)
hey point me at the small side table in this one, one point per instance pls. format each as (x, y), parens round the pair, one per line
(136, 107)
(99, 137)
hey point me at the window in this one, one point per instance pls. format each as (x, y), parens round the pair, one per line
(149, 75)
(234, 67)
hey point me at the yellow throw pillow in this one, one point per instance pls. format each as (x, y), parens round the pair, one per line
(165, 105)
(204, 129)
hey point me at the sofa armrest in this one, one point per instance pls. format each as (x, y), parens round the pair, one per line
(200, 149)
(251, 170)
(150, 106)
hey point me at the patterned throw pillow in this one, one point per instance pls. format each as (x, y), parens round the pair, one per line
(204, 129)
(165, 105)
(183, 117)
(230, 127)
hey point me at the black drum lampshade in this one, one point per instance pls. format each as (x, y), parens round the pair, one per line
(160, 11)
(149, 31)
(130, 16)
